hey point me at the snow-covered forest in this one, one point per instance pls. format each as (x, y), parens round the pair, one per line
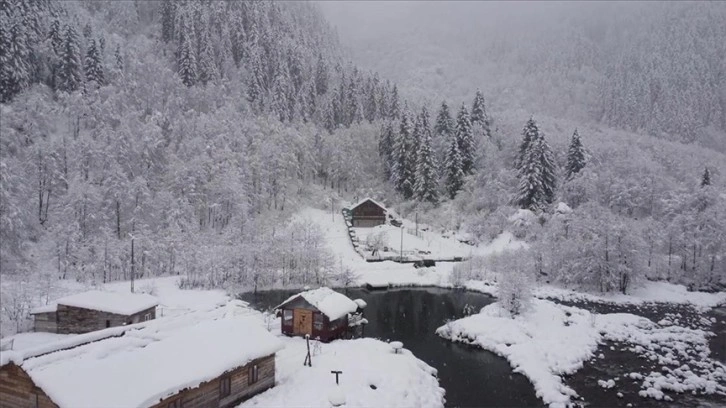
(159, 138)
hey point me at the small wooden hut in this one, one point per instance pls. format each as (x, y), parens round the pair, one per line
(94, 310)
(368, 213)
(321, 313)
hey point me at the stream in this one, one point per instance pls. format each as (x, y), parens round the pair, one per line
(474, 377)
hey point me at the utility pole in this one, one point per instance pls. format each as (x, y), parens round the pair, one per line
(401, 243)
(416, 223)
(133, 264)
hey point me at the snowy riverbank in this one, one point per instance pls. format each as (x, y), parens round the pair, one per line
(551, 340)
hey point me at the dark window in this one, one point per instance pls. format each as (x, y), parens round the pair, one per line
(147, 316)
(225, 386)
(108, 323)
(252, 376)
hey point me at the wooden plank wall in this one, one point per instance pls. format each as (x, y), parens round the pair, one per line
(17, 390)
(78, 320)
(207, 394)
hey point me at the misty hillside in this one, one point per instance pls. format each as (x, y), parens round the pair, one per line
(156, 138)
(655, 68)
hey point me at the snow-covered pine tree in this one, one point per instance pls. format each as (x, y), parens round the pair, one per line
(444, 122)
(167, 20)
(187, 62)
(537, 177)
(385, 148)
(706, 178)
(321, 76)
(87, 31)
(371, 99)
(394, 108)
(425, 187)
(530, 193)
(548, 171)
(465, 138)
(383, 103)
(119, 58)
(402, 171)
(529, 134)
(575, 156)
(479, 114)
(453, 172)
(93, 67)
(69, 75)
(14, 67)
(354, 112)
(56, 38)
(206, 66)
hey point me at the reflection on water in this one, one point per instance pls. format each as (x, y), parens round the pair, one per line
(471, 377)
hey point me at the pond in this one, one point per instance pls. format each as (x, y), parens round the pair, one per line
(471, 377)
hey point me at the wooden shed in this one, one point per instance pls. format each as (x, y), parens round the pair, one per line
(209, 359)
(94, 310)
(368, 213)
(321, 313)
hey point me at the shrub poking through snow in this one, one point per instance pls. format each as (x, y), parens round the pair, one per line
(515, 291)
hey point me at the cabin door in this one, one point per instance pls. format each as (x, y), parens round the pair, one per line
(303, 321)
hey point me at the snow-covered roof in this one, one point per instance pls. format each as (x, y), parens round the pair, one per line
(156, 359)
(368, 199)
(111, 302)
(52, 307)
(331, 303)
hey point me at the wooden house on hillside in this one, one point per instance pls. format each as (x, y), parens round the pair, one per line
(213, 361)
(321, 313)
(94, 310)
(368, 213)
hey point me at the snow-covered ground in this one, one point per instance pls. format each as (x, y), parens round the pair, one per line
(372, 375)
(550, 340)
(371, 370)
(389, 273)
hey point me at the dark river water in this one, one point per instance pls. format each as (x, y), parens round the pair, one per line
(477, 378)
(471, 377)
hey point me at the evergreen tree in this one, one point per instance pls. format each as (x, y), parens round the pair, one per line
(537, 171)
(575, 157)
(479, 114)
(453, 172)
(206, 66)
(87, 31)
(465, 139)
(102, 46)
(167, 20)
(69, 75)
(14, 67)
(371, 99)
(321, 76)
(444, 122)
(706, 178)
(394, 111)
(548, 170)
(385, 148)
(56, 38)
(531, 192)
(187, 60)
(530, 133)
(92, 67)
(354, 112)
(119, 58)
(425, 188)
(402, 171)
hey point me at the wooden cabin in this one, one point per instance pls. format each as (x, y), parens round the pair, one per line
(211, 360)
(368, 213)
(321, 313)
(94, 310)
